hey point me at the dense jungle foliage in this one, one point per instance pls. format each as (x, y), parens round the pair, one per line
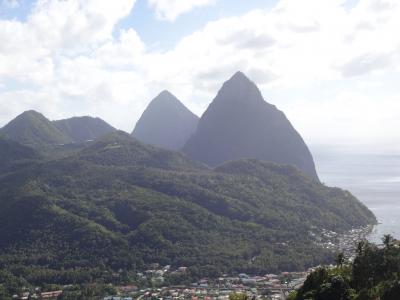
(116, 206)
(374, 274)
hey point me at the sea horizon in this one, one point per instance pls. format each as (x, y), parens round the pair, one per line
(372, 177)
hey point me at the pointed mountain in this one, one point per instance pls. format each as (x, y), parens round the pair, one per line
(82, 129)
(239, 123)
(166, 123)
(32, 128)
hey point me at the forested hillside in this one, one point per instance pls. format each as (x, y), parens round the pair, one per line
(119, 204)
(374, 274)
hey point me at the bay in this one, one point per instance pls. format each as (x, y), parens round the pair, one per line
(374, 178)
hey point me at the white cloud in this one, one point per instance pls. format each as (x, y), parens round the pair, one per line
(124, 52)
(367, 63)
(171, 9)
(30, 50)
(76, 24)
(310, 47)
(330, 68)
(351, 116)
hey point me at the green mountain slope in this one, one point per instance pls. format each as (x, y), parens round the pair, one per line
(11, 152)
(34, 129)
(120, 149)
(120, 204)
(82, 129)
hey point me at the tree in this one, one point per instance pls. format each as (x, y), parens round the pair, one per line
(3, 293)
(392, 291)
(388, 241)
(340, 259)
(374, 274)
(360, 247)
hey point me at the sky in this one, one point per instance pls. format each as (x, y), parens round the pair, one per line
(333, 66)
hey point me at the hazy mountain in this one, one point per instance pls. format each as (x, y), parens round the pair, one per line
(121, 204)
(32, 128)
(165, 123)
(82, 129)
(239, 123)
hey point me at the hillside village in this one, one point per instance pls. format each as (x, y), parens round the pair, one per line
(154, 281)
(269, 286)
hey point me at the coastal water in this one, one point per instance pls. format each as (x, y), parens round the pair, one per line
(373, 178)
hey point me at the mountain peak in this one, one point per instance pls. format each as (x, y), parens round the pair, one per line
(240, 76)
(239, 89)
(31, 113)
(239, 124)
(85, 128)
(240, 79)
(166, 122)
(166, 99)
(165, 94)
(33, 128)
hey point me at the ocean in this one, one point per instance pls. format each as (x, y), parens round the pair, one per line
(373, 178)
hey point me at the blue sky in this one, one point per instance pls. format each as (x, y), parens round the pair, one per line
(159, 34)
(164, 35)
(15, 10)
(334, 62)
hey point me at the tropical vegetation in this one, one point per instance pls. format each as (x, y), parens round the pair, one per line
(374, 274)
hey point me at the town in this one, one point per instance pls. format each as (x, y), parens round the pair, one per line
(269, 286)
(151, 284)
